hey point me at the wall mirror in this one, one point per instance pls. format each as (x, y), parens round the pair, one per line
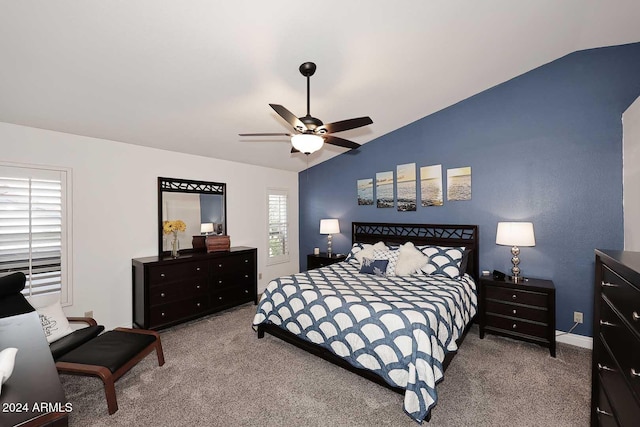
(201, 205)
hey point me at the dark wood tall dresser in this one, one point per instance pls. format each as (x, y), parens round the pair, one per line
(168, 291)
(615, 392)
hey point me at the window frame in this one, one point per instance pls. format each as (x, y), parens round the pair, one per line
(285, 257)
(66, 234)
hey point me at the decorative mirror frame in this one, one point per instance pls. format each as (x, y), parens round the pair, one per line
(177, 185)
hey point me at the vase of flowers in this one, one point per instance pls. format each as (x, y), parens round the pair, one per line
(172, 228)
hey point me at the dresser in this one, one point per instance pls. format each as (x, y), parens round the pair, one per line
(525, 310)
(168, 291)
(615, 392)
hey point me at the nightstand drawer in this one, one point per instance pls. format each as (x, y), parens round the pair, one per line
(517, 326)
(515, 310)
(619, 398)
(517, 296)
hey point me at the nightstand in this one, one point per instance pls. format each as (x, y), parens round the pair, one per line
(322, 260)
(525, 310)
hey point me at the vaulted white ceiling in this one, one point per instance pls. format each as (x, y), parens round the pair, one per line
(189, 76)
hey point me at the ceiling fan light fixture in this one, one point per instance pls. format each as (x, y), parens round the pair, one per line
(307, 143)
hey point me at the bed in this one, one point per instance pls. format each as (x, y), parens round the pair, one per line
(398, 331)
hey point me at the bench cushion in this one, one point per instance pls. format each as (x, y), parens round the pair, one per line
(74, 340)
(112, 349)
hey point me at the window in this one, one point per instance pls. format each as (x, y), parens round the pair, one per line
(35, 205)
(278, 245)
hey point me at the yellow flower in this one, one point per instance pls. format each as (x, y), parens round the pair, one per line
(174, 226)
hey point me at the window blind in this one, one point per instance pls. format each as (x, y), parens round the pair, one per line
(32, 227)
(278, 227)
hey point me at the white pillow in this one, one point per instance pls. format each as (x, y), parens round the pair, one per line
(54, 322)
(367, 251)
(410, 261)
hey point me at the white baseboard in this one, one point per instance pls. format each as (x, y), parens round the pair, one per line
(573, 339)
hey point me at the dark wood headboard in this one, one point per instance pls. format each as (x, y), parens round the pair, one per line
(422, 234)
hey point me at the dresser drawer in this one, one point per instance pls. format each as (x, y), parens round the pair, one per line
(623, 343)
(161, 274)
(166, 313)
(516, 295)
(234, 279)
(537, 330)
(164, 294)
(232, 296)
(620, 398)
(517, 311)
(606, 417)
(227, 265)
(624, 296)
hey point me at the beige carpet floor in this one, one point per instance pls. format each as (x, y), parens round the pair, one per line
(217, 373)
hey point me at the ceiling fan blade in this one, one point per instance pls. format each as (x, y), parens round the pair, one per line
(345, 125)
(289, 117)
(264, 134)
(334, 140)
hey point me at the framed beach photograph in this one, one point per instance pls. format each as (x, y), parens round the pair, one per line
(459, 183)
(365, 192)
(384, 189)
(407, 190)
(431, 186)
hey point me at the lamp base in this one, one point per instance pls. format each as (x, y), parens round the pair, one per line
(517, 279)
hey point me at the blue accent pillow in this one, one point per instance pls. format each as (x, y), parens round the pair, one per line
(374, 266)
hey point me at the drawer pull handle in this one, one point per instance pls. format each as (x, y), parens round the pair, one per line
(162, 295)
(246, 260)
(246, 275)
(635, 316)
(162, 314)
(514, 296)
(197, 268)
(246, 291)
(219, 265)
(161, 274)
(197, 286)
(514, 326)
(219, 281)
(220, 298)
(608, 285)
(514, 311)
(600, 411)
(198, 304)
(605, 323)
(602, 367)
(635, 373)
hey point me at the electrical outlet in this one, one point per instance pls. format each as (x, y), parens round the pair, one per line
(88, 313)
(577, 317)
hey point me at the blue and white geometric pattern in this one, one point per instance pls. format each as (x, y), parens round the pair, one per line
(357, 247)
(391, 255)
(399, 327)
(443, 261)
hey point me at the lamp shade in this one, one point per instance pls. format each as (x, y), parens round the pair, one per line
(515, 234)
(307, 143)
(329, 226)
(206, 227)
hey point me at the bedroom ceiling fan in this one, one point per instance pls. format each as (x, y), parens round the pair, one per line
(311, 133)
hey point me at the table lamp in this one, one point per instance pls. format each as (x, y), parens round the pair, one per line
(515, 234)
(329, 227)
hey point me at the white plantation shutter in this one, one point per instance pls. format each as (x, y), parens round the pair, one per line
(278, 245)
(33, 229)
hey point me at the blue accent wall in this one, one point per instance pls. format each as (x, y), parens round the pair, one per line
(544, 147)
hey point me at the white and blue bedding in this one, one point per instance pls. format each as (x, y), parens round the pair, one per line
(401, 327)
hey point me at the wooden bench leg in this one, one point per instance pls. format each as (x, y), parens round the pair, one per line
(110, 393)
(159, 352)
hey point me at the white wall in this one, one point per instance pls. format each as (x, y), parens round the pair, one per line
(115, 208)
(631, 176)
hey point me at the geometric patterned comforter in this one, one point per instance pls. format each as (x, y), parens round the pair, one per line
(399, 327)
